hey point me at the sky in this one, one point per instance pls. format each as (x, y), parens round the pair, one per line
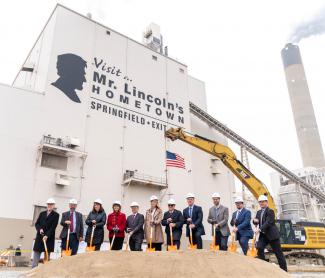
(233, 46)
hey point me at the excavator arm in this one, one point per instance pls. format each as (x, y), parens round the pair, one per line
(228, 158)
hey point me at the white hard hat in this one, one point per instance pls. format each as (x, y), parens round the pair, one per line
(215, 195)
(239, 200)
(262, 198)
(153, 197)
(98, 201)
(171, 202)
(73, 202)
(134, 204)
(50, 201)
(117, 203)
(190, 195)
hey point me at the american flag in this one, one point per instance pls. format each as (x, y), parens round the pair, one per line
(174, 160)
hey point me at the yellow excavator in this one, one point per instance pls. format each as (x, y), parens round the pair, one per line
(298, 240)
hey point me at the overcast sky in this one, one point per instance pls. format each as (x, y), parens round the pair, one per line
(233, 46)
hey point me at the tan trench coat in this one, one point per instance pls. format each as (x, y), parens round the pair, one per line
(157, 232)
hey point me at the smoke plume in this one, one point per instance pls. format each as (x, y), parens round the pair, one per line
(314, 26)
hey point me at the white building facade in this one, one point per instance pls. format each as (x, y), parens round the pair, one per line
(85, 119)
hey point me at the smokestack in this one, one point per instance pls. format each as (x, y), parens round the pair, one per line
(303, 112)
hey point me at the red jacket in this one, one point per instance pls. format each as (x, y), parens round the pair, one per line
(116, 219)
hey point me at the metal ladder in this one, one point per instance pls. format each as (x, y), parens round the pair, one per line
(204, 116)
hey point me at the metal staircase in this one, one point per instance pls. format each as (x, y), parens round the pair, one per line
(204, 116)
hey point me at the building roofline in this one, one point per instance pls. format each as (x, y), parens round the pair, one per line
(100, 24)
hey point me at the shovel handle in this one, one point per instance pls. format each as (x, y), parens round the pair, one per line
(150, 243)
(171, 235)
(68, 239)
(92, 236)
(46, 252)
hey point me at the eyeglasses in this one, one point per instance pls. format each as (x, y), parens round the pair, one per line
(171, 205)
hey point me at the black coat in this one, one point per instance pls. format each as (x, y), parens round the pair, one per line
(79, 225)
(100, 218)
(178, 219)
(268, 227)
(136, 225)
(48, 223)
(197, 217)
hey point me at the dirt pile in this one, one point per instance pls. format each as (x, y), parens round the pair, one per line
(199, 263)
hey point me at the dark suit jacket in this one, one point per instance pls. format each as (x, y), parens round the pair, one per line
(197, 216)
(136, 225)
(79, 224)
(243, 223)
(48, 224)
(268, 227)
(178, 219)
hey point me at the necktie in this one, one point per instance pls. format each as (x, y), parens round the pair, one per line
(134, 215)
(262, 214)
(71, 220)
(190, 212)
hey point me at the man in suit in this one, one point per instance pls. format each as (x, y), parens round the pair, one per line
(218, 217)
(72, 223)
(173, 220)
(45, 225)
(134, 226)
(193, 216)
(241, 221)
(269, 233)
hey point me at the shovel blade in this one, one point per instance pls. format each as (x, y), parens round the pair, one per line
(151, 249)
(90, 248)
(66, 253)
(252, 252)
(192, 247)
(214, 247)
(172, 248)
(232, 248)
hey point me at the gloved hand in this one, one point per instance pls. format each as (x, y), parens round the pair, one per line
(115, 229)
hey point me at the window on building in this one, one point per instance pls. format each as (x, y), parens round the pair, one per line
(54, 161)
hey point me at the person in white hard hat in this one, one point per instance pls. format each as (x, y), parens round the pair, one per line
(269, 233)
(241, 221)
(153, 218)
(134, 226)
(116, 224)
(45, 225)
(96, 218)
(174, 221)
(218, 217)
(72, 223)
(193, 216)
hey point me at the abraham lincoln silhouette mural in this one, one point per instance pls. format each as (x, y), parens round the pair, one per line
(71, 72)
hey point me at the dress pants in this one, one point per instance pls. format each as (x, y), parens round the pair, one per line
(276, 247)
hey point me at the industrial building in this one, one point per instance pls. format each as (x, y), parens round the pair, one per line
(85, 119)
(297, 203)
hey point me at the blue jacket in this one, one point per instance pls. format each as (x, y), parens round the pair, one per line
(243, 223)
(197, 217)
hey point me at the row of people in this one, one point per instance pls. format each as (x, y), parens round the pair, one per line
(150, 226)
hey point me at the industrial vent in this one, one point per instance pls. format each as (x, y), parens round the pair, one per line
(61, 180)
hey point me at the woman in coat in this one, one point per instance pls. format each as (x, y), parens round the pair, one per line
(116, 223)
(152, 225)
(96, 218)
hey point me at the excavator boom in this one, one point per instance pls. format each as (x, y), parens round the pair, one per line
(228, 158)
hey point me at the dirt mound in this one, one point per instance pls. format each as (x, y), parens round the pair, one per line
(199, 263)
